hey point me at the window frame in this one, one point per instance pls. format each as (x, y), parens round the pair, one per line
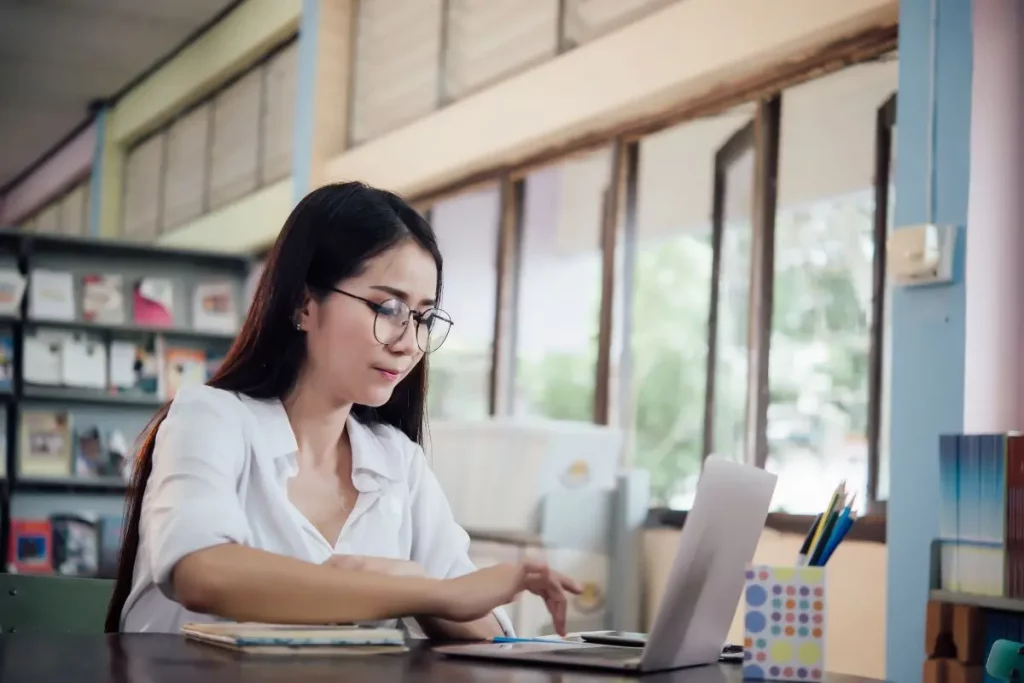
(618, 239)
(207, 99)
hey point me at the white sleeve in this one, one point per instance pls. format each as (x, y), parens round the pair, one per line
(191, 499)
(439, 544)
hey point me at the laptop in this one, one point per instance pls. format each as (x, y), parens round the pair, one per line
(716, 546)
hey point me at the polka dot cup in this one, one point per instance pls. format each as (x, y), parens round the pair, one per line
(784, 623)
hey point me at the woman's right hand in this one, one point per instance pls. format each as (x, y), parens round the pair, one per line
(477, 594)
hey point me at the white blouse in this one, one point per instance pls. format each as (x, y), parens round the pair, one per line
(220, 467)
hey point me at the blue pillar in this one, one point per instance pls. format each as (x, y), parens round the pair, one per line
(96, 178)
(933, 142)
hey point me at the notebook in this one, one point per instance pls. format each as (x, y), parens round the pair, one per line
(287, 639)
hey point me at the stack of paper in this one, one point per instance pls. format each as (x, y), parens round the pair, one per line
(284, 639)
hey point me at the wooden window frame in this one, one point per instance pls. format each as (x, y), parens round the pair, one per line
(618, 239)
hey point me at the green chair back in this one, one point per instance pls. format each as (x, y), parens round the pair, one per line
(53, 604)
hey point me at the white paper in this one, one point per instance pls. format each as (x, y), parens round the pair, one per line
(51, 295)
(122, 364)
(42, 360)
(84, 363)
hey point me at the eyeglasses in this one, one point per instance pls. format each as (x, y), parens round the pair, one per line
(393, 316)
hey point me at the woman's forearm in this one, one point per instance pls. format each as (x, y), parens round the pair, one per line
(441, 629)
(244, 584)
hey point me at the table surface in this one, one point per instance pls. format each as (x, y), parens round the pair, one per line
(159, 658)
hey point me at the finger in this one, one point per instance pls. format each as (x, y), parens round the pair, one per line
(571, 585)
(533, 566)
(557, 606)
(563, 581)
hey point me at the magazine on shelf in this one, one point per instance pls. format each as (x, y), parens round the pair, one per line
(51, 295)
(45, 448)
(103, 298)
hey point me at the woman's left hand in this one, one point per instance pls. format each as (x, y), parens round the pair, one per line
(378, 565)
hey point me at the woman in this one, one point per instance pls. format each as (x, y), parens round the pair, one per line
(292, 488)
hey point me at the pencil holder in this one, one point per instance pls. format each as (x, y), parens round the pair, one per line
(784, 623)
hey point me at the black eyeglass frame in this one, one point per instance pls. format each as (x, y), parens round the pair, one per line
(416, 316)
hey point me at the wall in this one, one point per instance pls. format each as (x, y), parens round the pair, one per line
(262, 211)
(932, 174)
(856, 594)
(62, 170)
(242, 37)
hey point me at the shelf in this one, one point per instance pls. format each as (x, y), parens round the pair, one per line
(85, 326)
(70, 485)
(73, 395)
(985, 601)
(35, 243)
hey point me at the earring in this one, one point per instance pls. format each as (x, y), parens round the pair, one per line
(298, 325)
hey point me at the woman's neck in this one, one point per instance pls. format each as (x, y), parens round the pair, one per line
(318, 423)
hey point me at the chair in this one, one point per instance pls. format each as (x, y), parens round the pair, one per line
(53, 604)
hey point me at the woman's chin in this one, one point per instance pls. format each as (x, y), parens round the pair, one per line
(375, 397)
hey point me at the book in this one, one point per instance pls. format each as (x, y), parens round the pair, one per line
(51, 295)
(45, 444)
(95, 454)
(214, 308)
(31, 547)
(12, 289)
(184, 367)
(981, 515)
(153, 302)
(6, 363)
(75, 544)
(103, 298)
(256, 638)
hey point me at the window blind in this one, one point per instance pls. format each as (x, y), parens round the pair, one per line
(396, 65)
(488, 39)
(278, 114)
(48, 219)
(73, 219)
(141, 209)
(586, 20)
(234, 149)
(184, 181)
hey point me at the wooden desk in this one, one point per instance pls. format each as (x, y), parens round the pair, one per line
(144, 658)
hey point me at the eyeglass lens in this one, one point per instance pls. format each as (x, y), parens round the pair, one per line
(394, 315)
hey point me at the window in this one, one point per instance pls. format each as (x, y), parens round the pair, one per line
(488, 39)
(396, 66)
(67, 214)
(140, 216)
(559, 293)
(278, 115)
(215, 152)
(234, 142)
(185, 177)
(671, 296)
(460, 371)
(822, 310)
(745, 273)
(586, 20)
(413, 56)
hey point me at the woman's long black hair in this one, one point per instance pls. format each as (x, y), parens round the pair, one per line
(328, 237)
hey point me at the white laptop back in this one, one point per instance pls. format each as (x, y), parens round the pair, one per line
(716, 545)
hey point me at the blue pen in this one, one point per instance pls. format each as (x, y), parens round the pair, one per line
(842, 528)
(507, 639)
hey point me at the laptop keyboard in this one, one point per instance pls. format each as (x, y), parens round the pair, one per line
(600, 652)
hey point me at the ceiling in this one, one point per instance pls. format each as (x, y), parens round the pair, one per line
(58, 56)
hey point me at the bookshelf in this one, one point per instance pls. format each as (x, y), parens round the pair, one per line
(994, 602)
(92, 410)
